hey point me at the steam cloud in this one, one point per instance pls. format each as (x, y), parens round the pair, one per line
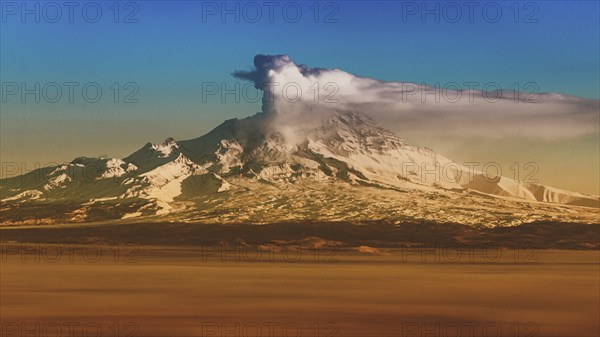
(296, 95)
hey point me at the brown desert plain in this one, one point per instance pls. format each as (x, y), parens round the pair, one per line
(299, 280)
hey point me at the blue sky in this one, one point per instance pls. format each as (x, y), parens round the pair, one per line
(172, 49)
(171, 45)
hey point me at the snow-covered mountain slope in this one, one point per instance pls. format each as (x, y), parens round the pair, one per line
(260, 173)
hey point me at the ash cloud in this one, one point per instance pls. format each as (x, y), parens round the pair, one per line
(263, 65)
(299, 95)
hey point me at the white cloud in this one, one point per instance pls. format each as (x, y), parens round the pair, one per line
(297, 95)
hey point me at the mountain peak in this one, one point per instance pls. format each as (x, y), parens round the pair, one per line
(169, 141)
(166, 147)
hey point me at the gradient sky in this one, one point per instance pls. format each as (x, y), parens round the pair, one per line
(171, 51)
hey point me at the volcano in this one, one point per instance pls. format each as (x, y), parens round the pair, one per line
(267, 168)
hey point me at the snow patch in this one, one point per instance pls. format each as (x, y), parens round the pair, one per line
(57, 181)
(225, 186)
(29, 194)
(163, 183)
(131, 215)
(228, 154)
(116, 168)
